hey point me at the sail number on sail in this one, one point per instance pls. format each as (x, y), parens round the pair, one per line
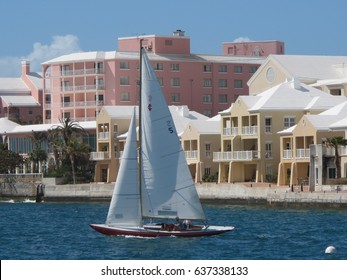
(169, 126)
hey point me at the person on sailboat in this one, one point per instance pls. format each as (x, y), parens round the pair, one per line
(187, 224)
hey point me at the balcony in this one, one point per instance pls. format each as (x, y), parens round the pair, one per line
(103, 136)
(191, 154)
(83, 104)
(230, 131)
(99, 155)
(81, 88)
(82, 72)
(250, 130)
(235, 156)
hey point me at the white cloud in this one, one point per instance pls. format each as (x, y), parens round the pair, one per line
(60, 45)
(242, 39)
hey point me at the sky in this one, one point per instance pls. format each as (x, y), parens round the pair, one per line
(39, 30)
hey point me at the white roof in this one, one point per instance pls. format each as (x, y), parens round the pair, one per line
(13, 85)
(6, 125)
(94, 56)
(207, 126)
(180, 115)
(45, 127)
(20, 100)
(308, 68)
(291, 96)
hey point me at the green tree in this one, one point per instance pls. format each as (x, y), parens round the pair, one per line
(38, 154)
(9, 160)
(67, 144)
(335, 142)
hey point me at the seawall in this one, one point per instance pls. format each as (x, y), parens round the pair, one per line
(238, 193)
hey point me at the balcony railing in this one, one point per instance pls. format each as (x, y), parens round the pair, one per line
(302, 153)
(235, 156)
(191, 154)
(230, 131)
(99, 155)
(79, 88)
(250, 130)
(83, 104)
(91, 71)
(103, 135)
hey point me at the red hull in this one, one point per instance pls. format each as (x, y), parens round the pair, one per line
(141, 232)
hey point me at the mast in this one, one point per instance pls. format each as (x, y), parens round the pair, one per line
(140, 130)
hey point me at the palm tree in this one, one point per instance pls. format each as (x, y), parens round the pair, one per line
(38, 154)
(335, 142)
(64, 139)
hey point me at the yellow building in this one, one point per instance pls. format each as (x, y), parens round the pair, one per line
(199, 140)
(303, 148)
(250, 144)
(112, 125)
(326, 73)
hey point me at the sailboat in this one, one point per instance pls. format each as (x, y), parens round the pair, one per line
(154, 194)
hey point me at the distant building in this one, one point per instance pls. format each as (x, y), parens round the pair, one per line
(327, 73)
(250, 143)
(79, 84)
(21, 98)
(255, 48)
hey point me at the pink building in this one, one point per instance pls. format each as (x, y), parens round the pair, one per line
(79, 84)
(253, 48)
(21, 98)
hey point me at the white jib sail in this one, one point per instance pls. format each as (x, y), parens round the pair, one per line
(168, 189)
(125, 203)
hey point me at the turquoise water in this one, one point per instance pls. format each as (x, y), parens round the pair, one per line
(48, 230)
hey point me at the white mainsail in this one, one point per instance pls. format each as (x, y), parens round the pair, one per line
(168, 190)
(125, 203)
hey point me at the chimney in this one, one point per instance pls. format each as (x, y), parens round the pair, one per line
(296, 83)
(178, 33)
(25, 67)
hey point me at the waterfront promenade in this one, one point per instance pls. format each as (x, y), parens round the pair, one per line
(240, 193)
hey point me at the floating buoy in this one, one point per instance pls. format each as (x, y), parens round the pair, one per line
(330, 250)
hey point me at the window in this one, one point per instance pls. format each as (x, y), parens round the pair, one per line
(237, 69)
(268, 124)
(175, 82)
(207, 98)
(223, 68)
(99, 83)
(223, 83)
(175, 67)
(30, 111)
(168, 42)
(223, 98)
(207, 68)
(65, 70)
(207, 83)
(99, 67)
(175, 97)
(65, 86)
(208, 150)
(331, 172)
(237, 83)
(158, 66)
(268, 150)
(289, 122)
(207, 171)
(125, 96)
(99, 100)
(124, 81)
(252, 69)
(124, 65)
